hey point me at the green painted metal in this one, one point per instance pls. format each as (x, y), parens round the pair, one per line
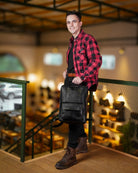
(35, 127)
(90, 117)
(23, 139)
(114, 6)
(84, 14)
(9, 80)
(112, 81)
(41, 123)
(23, 83)
(23, 122)
(51, 137)
(121, 82)
(32, 144)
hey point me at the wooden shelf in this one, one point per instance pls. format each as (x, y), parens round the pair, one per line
(109, 128)
(103, 140)
(108, 117)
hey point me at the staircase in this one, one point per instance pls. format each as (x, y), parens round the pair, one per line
(41, 138)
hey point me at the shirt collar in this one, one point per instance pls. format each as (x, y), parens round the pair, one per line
(78, 37)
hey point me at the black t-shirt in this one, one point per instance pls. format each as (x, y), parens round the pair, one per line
(70, 60)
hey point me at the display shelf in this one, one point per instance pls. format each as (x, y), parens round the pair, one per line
(109, 128)
(98, 137)
(111, 119)
(107, 107)
(103, 140)
(108, 117)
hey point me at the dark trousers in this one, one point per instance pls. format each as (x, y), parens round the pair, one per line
(76, 130)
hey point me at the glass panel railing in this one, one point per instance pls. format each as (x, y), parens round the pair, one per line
(12, 115)
(114, 120)
(115, 115)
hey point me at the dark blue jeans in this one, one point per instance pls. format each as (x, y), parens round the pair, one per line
(76, 130)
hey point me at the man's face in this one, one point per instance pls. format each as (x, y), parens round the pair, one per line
(73, 25)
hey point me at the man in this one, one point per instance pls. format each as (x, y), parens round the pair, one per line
(84, 61)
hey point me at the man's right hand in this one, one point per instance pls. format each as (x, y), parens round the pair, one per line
(64, 74)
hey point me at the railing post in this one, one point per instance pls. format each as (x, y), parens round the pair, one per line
(23, 123)
(1, 138)
(90, 117)
(51, 138)
(32, 144)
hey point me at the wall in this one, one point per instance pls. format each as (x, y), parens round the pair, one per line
(111, 37)
(47, 71)
(17, 39)
(32, 58)
(126, 64)
(25, 53)
(125, 68)
(115, 34)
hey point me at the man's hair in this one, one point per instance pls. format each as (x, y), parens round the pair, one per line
(78, 14)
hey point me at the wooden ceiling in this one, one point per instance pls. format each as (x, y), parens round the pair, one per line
(42, 15)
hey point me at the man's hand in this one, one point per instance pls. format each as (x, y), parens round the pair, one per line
(77, 80)
(64, 74)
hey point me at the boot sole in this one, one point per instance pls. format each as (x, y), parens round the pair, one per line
(65, 167)
(79, 152)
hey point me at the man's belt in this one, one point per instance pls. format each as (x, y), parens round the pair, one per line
(71, 75)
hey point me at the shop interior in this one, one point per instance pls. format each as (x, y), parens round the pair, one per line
(38, 55)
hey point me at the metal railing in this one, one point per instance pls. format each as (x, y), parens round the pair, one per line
(24, 86)
(119, 91)
(103, 80)
(42, 124)
(33, 131)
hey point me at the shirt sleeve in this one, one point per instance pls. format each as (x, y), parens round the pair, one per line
(94, 58)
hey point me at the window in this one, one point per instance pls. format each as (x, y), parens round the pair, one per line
(53, 59)
(10, 63)
(108, 62)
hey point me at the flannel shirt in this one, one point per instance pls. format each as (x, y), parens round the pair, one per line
(86, 57)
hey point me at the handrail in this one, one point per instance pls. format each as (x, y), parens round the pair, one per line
(23, 83)
(37, 125)
(121, 82)
(43, 120)
(113, 81)
(104, 80)
(9, 80)
(35, 132)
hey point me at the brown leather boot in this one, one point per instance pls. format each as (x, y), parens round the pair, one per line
(68, 160)
(82, 145)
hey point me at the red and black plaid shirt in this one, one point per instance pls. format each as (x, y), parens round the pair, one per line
(86, 57)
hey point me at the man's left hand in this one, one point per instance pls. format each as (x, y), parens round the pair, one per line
(77, 80)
